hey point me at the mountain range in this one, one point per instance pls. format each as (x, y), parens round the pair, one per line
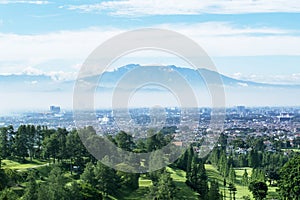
(109, 79)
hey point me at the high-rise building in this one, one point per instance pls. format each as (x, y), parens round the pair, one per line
(55, 109)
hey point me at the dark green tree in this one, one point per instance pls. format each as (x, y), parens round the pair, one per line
(289, 183)
(75, 150)
(88, 175)
(62, 149)
(214, 192)
(124, 141)
(107, 180)
(259, 190)
(245, 178)
(232, 174)
(20, 144)
(31, 133)
(31, 188)
(4, 148)
(232, 191)
(8, 194)
(164, 189)
(197, 179)
(54, 188)
(51, 147)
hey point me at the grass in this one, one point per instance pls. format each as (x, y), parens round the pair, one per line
(179, 177)
(242, 190)
(184, 192)
(10, 164)
(140, 193)
(213, 173)
(291, 149)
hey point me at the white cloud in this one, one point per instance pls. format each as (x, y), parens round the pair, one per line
(32, 71)
(55, 75)
(269, 78)
(218, 39)
(23, 2)
(188, 7)
(243, 84)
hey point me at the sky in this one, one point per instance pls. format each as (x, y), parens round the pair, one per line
(257, 40)
(249, 39)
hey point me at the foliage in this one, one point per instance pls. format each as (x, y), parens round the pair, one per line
(258, 189)
(8, 194)
(289, 183)
(164, 189)
(214, 192)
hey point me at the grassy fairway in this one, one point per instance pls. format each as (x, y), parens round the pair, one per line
(291, 149)
(184, 192)
(213, 173)
(9, 164)
(141, 193)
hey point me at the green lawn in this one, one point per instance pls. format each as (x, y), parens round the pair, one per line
(213, 173)
(10, 164)
(184, 192)
(291, 149)
(140, 193)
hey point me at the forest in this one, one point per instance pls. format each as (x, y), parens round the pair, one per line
(37, 162)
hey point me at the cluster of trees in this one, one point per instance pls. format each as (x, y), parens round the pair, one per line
(94, 180)
(41, 143)
(272, 167)
(196, 176)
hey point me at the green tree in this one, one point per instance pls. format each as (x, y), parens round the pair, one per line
(107, 180)
(4, 148)
(214, 192)
(75, 149)
(31, 188)
(164, 189)
(74, 191)
(62, 138)
(3, 179)
(20, 144)
(8, 194)
(258, 175)
(30, 134)
(259, 190)
(197, 179)
(232, 174)
(289, 183)
(232, 191)
(51, 146)
(245, 178)
(88, 175)
(130, 181)
(54, 188)
(124, 141)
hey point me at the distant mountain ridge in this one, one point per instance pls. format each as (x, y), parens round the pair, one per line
(109, 79)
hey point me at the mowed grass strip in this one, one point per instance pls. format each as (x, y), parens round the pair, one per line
(184, 191)
(10, 164)
(213, 173)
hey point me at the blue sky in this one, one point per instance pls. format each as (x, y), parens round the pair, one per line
(255, 40)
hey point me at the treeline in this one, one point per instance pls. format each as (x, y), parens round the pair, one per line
(75, 174)
(267, 167)
(92, 180)
(42, 143)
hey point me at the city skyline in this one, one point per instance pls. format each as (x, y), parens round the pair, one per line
(254, 41)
